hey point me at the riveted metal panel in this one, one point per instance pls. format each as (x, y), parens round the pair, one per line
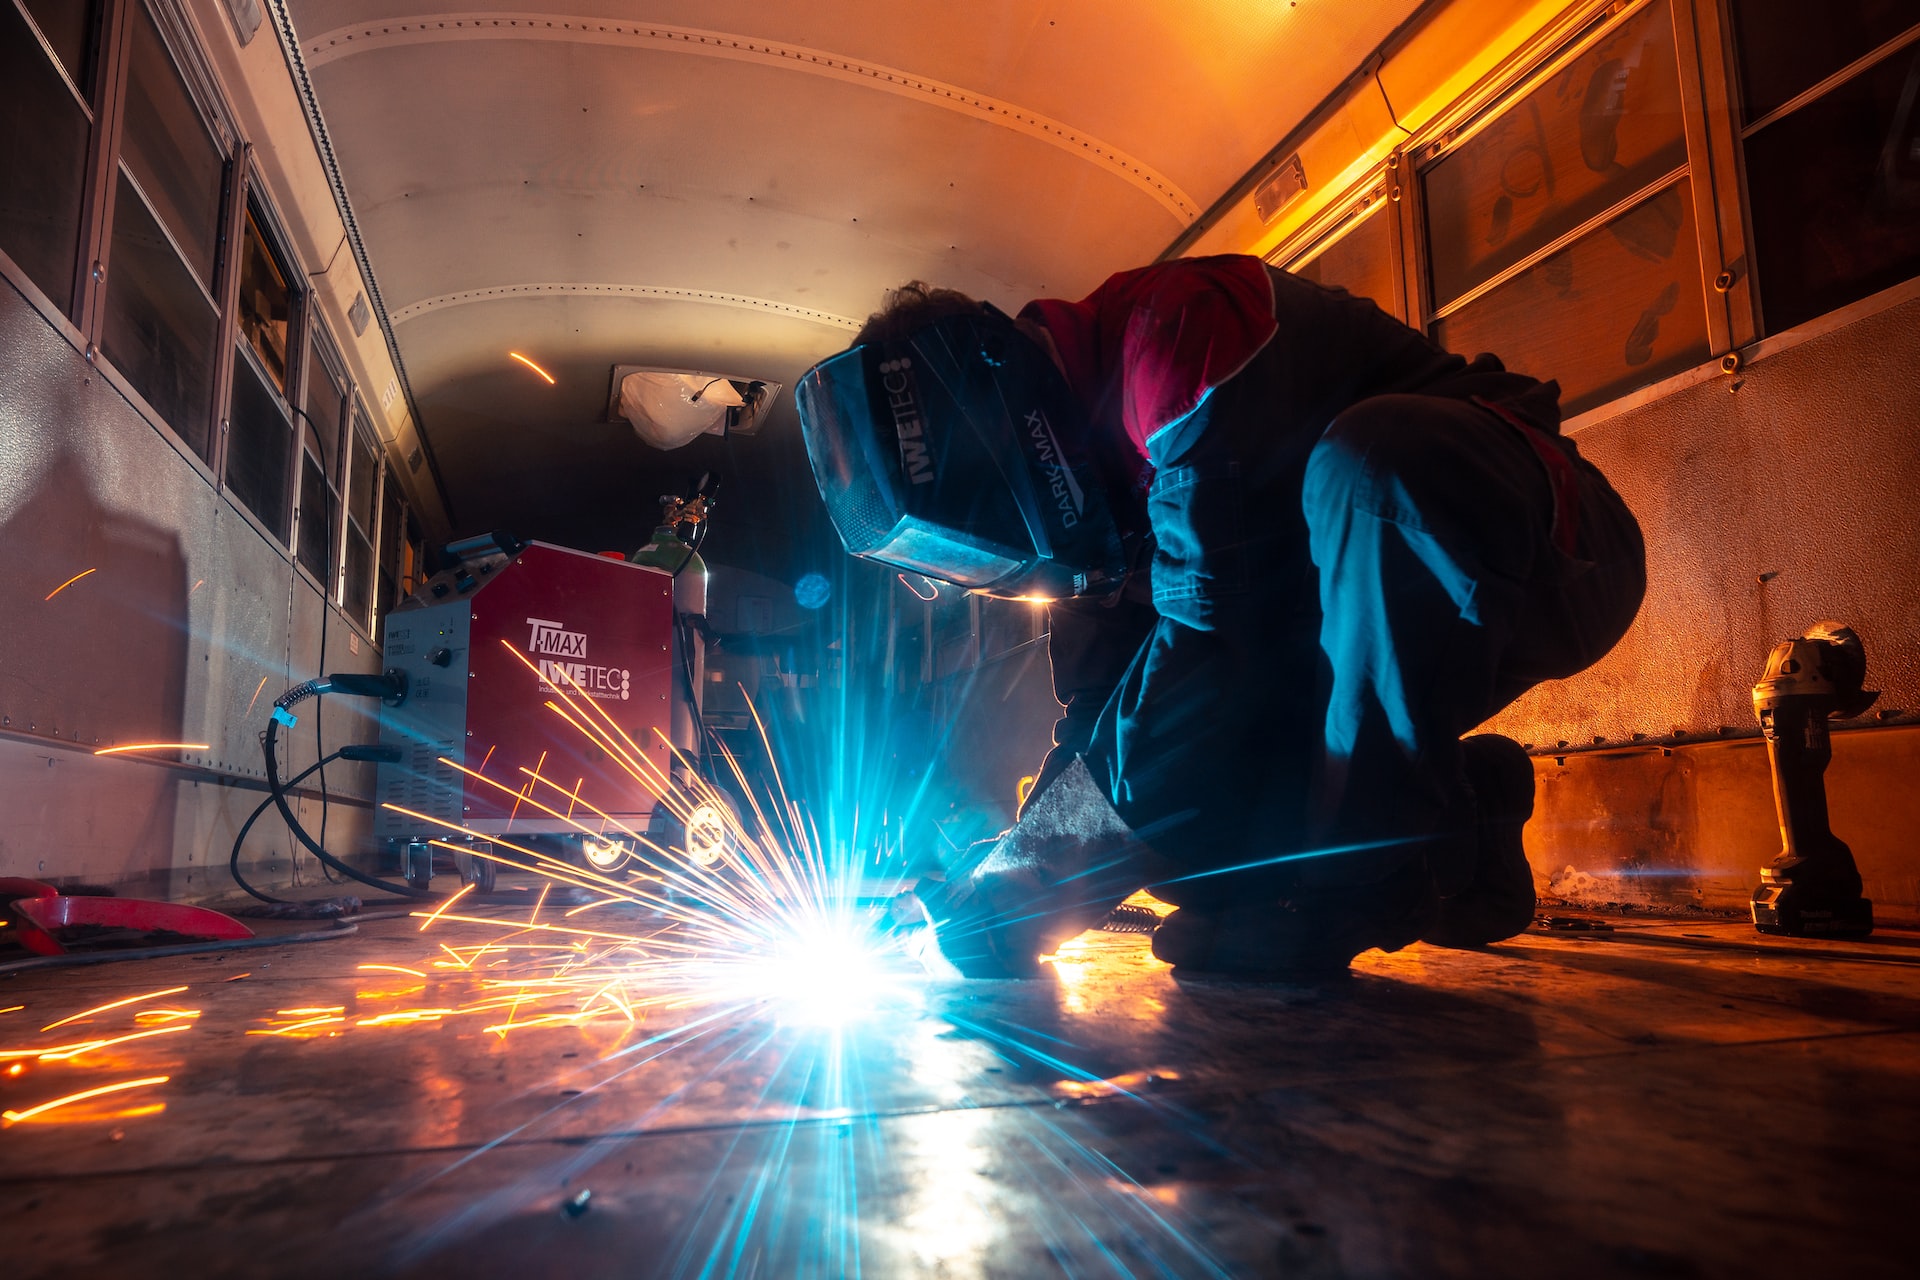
(180, 620)
(88, 488)
(1769, 501)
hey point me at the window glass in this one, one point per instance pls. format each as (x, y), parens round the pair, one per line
(266, 303)
(360, 480)
(168, 149)
(1616, 309)
(315, 502)
(68, 26)
(319, 471)
(159, 328)
(43, 162)
(359, 587)
(392, 525)
(326, 401)
(1835, 193)
(1605, 126)
(1361, 262)
(1785, 47)
(362, 487)
(259, 446)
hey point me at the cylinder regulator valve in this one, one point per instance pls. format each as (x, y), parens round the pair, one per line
(1812, 887)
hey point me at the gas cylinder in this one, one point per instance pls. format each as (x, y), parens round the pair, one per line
(667, 550)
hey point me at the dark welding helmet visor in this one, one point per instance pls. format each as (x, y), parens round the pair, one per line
(958, 453)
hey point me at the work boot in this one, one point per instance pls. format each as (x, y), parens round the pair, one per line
(1498, 902)
(1302, 939)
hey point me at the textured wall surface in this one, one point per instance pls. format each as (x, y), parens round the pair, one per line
(1694, 827)
(1765, 508)
(191, 622)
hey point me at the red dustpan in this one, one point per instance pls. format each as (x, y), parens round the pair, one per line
(54, 925)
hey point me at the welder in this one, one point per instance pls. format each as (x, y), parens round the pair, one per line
(1293, 552)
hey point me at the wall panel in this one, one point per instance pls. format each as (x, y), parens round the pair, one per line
(1769, 501)
(184, 618)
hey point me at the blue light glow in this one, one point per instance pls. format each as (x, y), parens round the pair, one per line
(812, 591)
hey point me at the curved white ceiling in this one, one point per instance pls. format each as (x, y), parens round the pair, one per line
(734, 184)
(344, 42)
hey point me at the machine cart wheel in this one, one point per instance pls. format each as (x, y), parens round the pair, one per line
(477, 871)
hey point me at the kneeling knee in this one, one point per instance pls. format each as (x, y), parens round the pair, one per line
(1367, 452)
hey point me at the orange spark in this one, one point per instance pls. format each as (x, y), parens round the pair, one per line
(74, 1051)
(464, 890)
(69, 582)
(152, 746)
(256, 694)
(14, 1117)
(299, 1026)
(531, 365)
(88, 1013)
(394, 968)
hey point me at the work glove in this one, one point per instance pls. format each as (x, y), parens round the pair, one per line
(1054, 874)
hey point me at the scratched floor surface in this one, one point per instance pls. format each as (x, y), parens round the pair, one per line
(1659, 1100)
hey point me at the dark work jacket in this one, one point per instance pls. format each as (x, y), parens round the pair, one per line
(1328, 352)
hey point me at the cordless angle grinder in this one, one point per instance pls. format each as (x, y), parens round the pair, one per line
(1812, 887)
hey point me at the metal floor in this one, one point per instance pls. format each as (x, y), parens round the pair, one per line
(1661, 1100)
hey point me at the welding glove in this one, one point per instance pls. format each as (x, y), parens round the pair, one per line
(1056, 873)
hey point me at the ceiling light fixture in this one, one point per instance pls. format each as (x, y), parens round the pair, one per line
(531, 365)
(669, 407)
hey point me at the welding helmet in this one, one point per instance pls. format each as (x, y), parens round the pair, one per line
(959, 452)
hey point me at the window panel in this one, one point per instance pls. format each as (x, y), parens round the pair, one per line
(326, 401)
(363, 487)
(1618, 308)
(1785, 47)
(43, 162)
(266, 302)
(1835, 194)
(360, 478)
(319, 470)
(315, 502)
(392, 525)
(68, 26)
(159, 329)
(168, 149)
(259, 446)
(1605, 126)
(359, 589)
(1361, 262)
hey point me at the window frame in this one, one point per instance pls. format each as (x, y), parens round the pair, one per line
(105, 166)
(359, 423)
(81, 322)
(1732, 138)
(1369, 198)
(322, 348)
(253, 199)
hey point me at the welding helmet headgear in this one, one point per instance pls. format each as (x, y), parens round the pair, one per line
(958, 452)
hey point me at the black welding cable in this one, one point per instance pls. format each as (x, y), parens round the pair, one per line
(328, 514)
(269, 748)
(233, 861)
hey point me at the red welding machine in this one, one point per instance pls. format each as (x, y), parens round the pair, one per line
(501, 652)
